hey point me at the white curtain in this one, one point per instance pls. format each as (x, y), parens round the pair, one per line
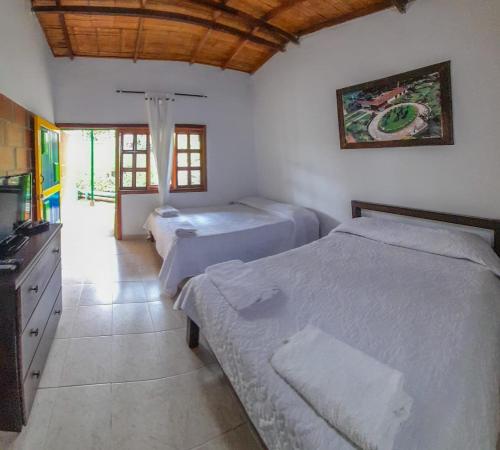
(161, 127)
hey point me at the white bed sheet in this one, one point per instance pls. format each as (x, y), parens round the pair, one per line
(226, 232)
(433, 318)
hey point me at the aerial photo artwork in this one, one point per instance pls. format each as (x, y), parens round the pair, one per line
(415, 106)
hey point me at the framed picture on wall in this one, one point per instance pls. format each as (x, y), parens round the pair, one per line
(412, 108)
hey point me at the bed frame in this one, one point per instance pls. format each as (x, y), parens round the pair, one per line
(193, 330)
(469, 221)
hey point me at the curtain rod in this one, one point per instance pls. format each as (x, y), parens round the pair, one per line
(179, 94)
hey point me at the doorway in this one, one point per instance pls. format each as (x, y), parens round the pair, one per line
(88, 183)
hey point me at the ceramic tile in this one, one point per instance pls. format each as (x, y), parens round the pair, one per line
(96, 294)
(88, 361)
(81, 419)
(131, 318)
(54, 365)
(173, 413)
(129, 292)
(241, 438)
(176, 357)
(164, 317)
(34, 434)
(153, 291)
(71, 295)
(66, 322)
(92, 321)
(136, 357)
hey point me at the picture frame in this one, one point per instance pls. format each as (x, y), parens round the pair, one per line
(408, 109)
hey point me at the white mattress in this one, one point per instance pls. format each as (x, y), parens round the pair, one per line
(227, 232)
(433, 318)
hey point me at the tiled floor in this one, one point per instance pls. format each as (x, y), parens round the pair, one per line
(119, 375)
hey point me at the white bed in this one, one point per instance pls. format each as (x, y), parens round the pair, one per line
(249, 229)
(432, 317)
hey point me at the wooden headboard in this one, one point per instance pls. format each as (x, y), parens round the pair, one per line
(477, 222)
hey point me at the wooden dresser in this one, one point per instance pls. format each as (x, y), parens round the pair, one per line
(30, 308)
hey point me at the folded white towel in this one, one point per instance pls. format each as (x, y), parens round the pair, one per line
(184, 228)
(240, 284)
(359, 396)
(167, 211)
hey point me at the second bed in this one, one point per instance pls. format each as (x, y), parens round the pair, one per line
(249, 229)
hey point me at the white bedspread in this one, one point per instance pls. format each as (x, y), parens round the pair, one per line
(433, 318)
(228, 232)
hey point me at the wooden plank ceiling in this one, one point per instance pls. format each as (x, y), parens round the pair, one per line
(233, 34)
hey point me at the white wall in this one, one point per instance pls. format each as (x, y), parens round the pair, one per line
(296, 129)
(24, 59)
(84, 92)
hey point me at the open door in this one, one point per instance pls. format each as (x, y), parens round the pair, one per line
(47, 171)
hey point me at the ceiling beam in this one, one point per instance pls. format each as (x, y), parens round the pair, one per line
(247, 18)
(156, 14)
(62, 22)
(204, 39)
(139, 33)
(266, 17)
(400, 5)
(285, 5)
(346, 17)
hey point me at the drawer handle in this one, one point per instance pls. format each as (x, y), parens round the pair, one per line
(56, 251)
(36, 374)
(57, 312)
(34, 289)
(34, 332)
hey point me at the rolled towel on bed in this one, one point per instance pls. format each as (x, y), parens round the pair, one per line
(184, 228)
(242, 285)
(359, 396)
(167, 211)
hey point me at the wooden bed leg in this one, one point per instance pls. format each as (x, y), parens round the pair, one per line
(192, 334)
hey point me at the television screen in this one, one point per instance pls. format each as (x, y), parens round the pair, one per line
(15, 203)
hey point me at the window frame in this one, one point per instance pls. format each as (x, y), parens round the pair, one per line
(150, 188)
(189, 129)
(134, 130)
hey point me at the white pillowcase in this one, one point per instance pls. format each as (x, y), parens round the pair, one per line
(451, 243)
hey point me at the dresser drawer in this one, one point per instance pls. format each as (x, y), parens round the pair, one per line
(33, 332)
(34, 285)
(35, 371)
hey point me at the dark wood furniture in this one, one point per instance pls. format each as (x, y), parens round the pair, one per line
(469, 221)
(30, 308)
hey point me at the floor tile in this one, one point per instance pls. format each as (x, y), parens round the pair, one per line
(153, 290)
(129, 292)
(53, 367)
(92, 321)
(34, 433)
(97, 294)
(71, 295)
(88, 361)
(131, 318)
(176, 357)
(136, 357)
(81, 419)
(164, 317)
(241, 438)
(173, 413)
(65, 326)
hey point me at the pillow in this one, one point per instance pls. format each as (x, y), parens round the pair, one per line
(451, 243)
(306, 222)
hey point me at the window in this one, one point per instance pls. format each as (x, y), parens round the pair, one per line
(189, 159)
(138, 165)
(136, 160)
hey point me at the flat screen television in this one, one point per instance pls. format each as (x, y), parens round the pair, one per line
(15, 203)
